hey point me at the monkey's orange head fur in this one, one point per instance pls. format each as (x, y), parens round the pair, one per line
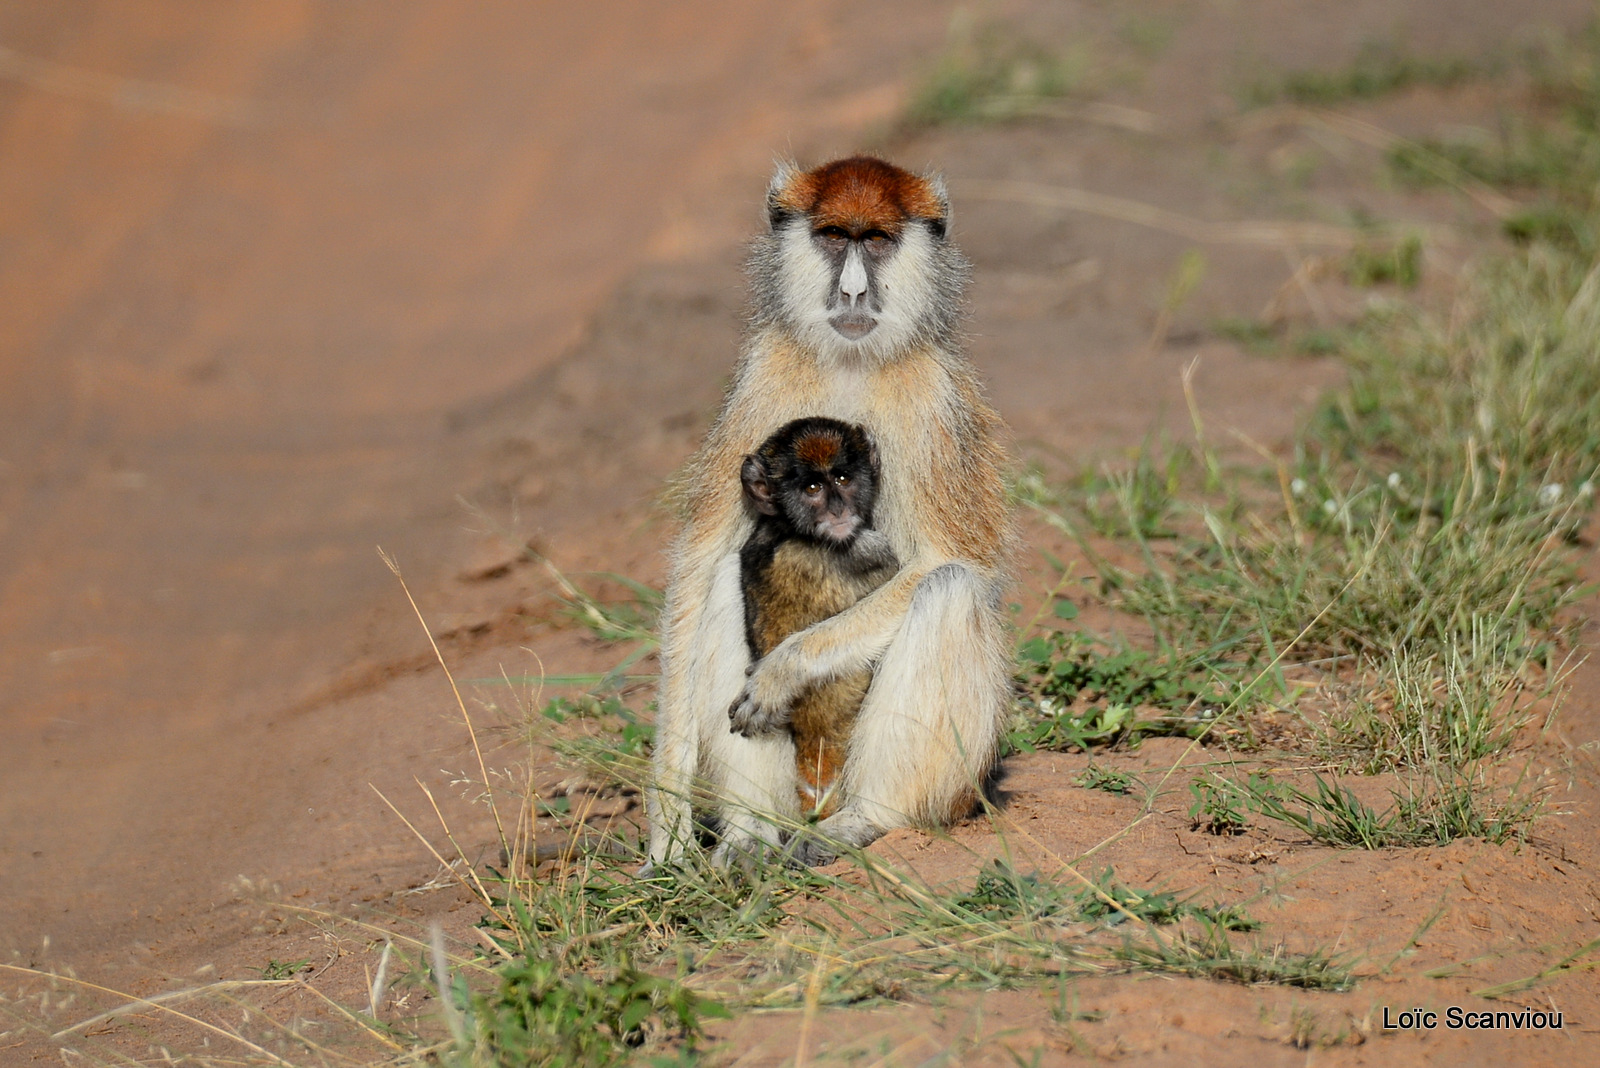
(820, 449)
(819, 444)
(858, 194)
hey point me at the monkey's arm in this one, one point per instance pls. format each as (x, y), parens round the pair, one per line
(851, 641)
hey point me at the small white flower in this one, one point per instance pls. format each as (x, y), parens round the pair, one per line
(1394, 480)
(1298, 487)
(1329, 507)
(1549, 493)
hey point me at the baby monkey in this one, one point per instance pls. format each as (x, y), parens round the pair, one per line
(813, 554)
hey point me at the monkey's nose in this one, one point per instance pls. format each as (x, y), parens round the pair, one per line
(853, 279)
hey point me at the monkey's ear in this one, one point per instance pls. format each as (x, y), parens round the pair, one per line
(872, 451)
(753, 474)
(941, 194)
(783, 175)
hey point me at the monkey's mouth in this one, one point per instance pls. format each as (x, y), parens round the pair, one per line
(853, 324)
(838, 528)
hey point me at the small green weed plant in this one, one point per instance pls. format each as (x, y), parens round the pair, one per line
(990, 73)
(1378, 69)
(1112, 781)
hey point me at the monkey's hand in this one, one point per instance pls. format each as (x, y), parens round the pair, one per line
(766, 703)
(871, 550)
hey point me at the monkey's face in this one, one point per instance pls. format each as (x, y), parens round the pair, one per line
(831, 506)
(858, 262)
(818, 476)
(857, 287)
(855, 259)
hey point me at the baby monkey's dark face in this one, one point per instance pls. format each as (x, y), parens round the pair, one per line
(819, 477)
(829, 504)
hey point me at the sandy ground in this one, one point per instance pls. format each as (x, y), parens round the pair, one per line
(282, 283)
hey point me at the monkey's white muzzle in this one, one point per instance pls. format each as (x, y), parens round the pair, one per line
(840, 528)
(854, 321)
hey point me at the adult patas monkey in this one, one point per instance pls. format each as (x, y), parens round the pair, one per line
(856, 292)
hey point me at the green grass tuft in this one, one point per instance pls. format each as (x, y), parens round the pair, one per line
(1110, 780)
(1398, 264)
(544, 1014)
(990, 74)
(1211, 954)
(1078, 692)
(1432, 808)
(1377, 70)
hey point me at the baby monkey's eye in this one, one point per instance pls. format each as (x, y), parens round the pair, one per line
(813, 488)
(841, 480)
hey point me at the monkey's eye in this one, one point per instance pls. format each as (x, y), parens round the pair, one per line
(813, 488)
(841, 480)
(876, 237)
(833, 233)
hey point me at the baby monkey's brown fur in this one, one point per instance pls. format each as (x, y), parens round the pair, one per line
(812, 555)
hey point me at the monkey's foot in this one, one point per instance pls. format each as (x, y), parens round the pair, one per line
(819, 845)
(745, 852)
(807, 851)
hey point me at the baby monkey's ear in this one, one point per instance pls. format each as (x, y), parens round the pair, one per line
(757, 487)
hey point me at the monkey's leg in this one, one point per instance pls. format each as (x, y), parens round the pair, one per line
(668, 797)
(751, 780)
(927, 732)
(755, 782)
(693, 648)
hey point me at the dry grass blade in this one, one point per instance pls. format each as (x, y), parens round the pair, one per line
(1248, 232)
(1566, 964)
(441, 979)
(483, 769)
(813, 998)
(353, 1018)
(477, 890)
(1068, 866)
(380, 982)
(171, 995)
(1366, 133)
(150, 1003)
(324, 916)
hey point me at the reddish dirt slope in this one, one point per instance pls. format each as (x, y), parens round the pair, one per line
(254, 260)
